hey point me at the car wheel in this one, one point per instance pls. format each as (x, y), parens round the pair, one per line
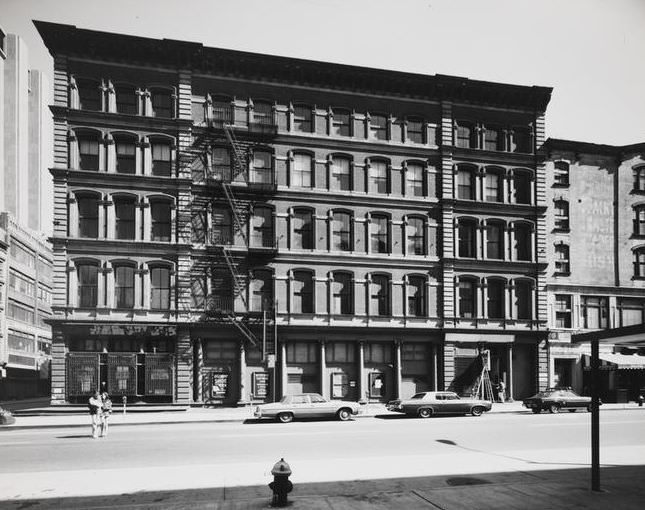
(477, 411)
(285, 417)
(536, 410)
(343, 414)
(572, 410)
(554, 408)
(425, 413)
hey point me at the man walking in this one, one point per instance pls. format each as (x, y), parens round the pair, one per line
(95, 405)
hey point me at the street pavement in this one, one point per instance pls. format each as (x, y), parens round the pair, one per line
(518, 459)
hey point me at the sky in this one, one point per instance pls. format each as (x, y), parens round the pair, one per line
(592, 52)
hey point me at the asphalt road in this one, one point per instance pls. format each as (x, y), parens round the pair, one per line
(67, 462)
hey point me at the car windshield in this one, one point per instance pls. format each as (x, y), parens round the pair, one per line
(418, 396)
(317, 398)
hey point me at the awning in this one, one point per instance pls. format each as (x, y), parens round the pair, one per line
(618, 361)
(480, 338)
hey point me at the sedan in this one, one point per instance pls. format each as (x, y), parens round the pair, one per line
(554, 399)
(429, 403)
(307, 405)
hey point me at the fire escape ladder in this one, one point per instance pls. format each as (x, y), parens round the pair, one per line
(239, 154)
(238, 280)
(239, 210)
(244, 329)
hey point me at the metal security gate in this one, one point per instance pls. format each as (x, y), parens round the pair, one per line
(122, 374)
(82, 374)
(158, 379)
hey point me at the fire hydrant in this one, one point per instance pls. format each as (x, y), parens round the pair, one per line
(281, 486)
(640, 400)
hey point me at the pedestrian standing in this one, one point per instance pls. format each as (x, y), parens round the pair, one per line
(106, 411)
(501, 391)
(95, 405)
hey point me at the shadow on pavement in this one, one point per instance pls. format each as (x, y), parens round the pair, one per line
(554, 489)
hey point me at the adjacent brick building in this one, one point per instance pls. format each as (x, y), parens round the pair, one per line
(230, 226)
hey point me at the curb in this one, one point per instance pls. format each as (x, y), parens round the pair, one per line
(234, 420)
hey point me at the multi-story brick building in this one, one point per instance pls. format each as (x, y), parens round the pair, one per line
(596, 274)
(231, 226)
(25, 275)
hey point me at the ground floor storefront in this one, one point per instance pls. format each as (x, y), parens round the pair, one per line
(211, 364)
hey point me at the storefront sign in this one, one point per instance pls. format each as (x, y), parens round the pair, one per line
(219, 385)
(115, 330)
(260, 384)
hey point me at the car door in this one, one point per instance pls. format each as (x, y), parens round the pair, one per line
(454, 404)
(320, 406)
(301, 406)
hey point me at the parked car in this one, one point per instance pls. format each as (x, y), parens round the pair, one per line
(307, 405)
(554, 399)
(429, 403)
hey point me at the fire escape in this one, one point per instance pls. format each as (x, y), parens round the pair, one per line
(234, 253)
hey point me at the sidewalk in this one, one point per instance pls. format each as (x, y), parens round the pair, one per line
(222, 414)
(559, 489)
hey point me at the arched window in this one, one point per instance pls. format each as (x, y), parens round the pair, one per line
(222, 233)
(495, 301)
(262, 227)
(378, 177)
(639, 263)
(341, 174)
(522, 247)
(90, 94)
(493, 185)
(495, 240)
(561, 173)
(88, 151)
(261, 291)
(340, 124)
(302, 118)
(221, 164)
(161, 100)
(303, 295)
(160, 212)
(379, 235)
(562, 259)
(262, 168)
(161, 157)
(561, 215)
(493, 138)
(341, 231)
(263, 113)
(126, 99)
(380, 295)
(415, 130)
(303, 229)
(522, 184)
(302, 171)
(467, 238)
(639, 178)
(88, 216)
(465, 135)
(126, 153)
(465, 183)
(467, 298)
(342, 293)
(416, 238)
(523, 301)
(521, 140)
(124, 208)
(87, 277)
(414, 182)
(378, 127)
(639, 220)
(416, 296)
(160, 288)
(124, 286)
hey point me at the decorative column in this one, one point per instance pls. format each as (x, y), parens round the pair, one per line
(72, 215)
(508, 376)
(110, 155)
(145, 166)
(105, 287)
(324, 390)
(435, 368)
(361, 373)
(283, 369)
(397, 368)
(72, 284)
(243, 394)
(199, 365)
(510, 308)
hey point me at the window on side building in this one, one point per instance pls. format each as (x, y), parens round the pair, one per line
(90, 94)
(639, 178)
(561, 174)
(303, 229)
(416, 292)
(562, 259)
(303, 292)
(561, 215)
(124, 211)
(595, 312)
(465, 183)
(563, 311)
(378, 127)
(495, 240)
(88, 216)
(467, 238)
(341, 177)
(414, 182)
(302, 171)
(162, 103)
(341, 231)
(379, 234)
(87, 278)
(126, 153)
(124, 286)
(380, 295)
(302, 119)
(341, 122)
(161, 157)
(126, 99)
(639, 220)
(523, 300)
(160, 213)
(88, 151)
(342, 293)
(467, 295)
(631, 311)
(639, 263)
(415, 233)
(496, 289)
